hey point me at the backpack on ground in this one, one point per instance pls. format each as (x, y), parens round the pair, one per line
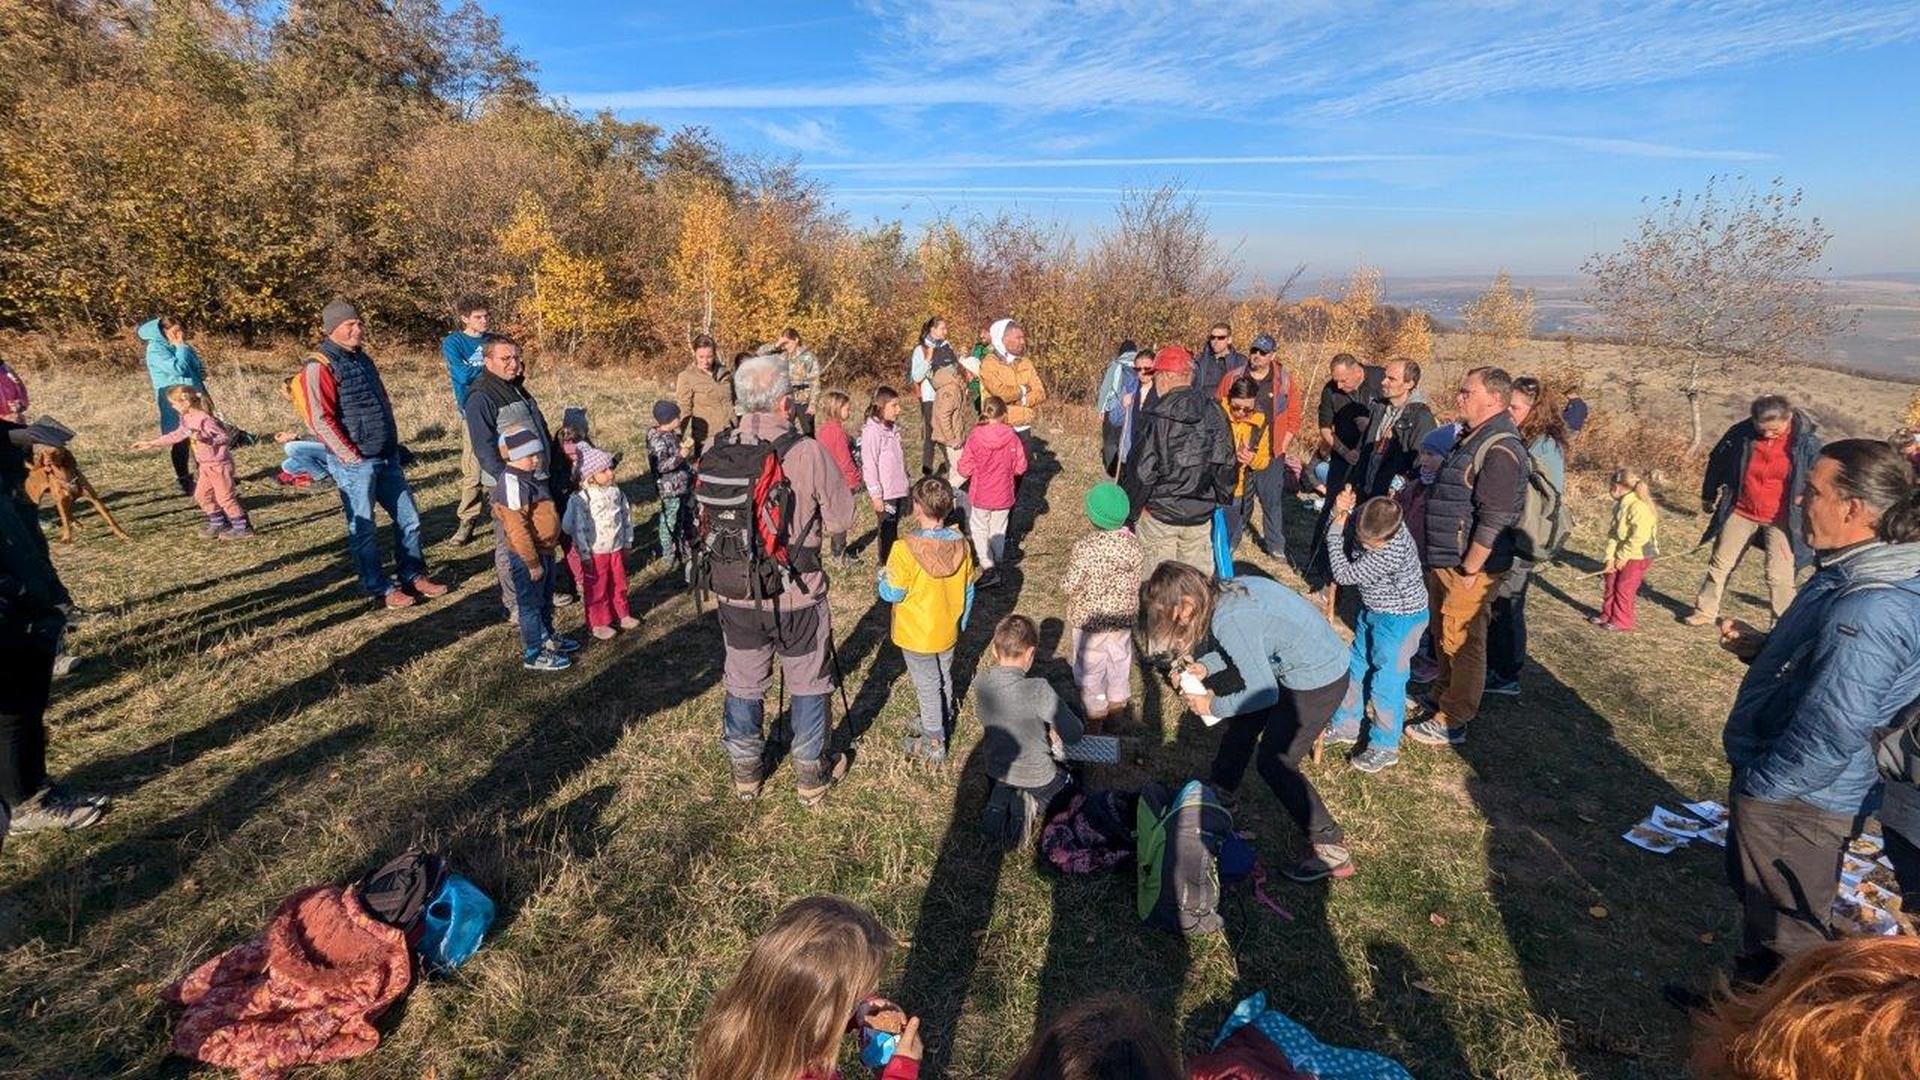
(399, 891)
(1092, 833)
(744, 507)
(1545, 521)
(1178, 841)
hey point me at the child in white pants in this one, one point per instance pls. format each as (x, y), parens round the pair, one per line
(1103, 599)
(992, 459)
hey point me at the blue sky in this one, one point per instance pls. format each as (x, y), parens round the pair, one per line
(1425, 138)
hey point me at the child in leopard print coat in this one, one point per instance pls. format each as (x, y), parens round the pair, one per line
(1103, 599)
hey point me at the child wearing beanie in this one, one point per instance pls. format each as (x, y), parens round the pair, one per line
(667, 451)
(601, 525)
(1102, 587)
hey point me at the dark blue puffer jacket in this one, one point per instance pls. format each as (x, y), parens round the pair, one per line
(1843, 660)
(365, 411)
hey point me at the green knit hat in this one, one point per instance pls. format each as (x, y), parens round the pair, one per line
(1107, 506)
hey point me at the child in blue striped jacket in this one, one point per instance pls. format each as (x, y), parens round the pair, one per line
(1393, 594)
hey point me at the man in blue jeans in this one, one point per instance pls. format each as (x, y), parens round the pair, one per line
(340, 396)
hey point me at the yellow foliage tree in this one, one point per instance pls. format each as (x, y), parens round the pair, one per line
(1911, 418)
(1414, 339)
(704, 261)
(564, 293)
(1497, 322)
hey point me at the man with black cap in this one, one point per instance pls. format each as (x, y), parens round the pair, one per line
(340, 396)
(1280, 404)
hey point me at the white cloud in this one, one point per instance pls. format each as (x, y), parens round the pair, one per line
(949, 164)
(1624, 147)
(805, 136)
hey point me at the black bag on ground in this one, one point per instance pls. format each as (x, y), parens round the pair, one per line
(399, 891)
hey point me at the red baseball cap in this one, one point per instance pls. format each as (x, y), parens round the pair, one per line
(1173, 358)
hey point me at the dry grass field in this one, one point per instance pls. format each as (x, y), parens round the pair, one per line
(261, 728)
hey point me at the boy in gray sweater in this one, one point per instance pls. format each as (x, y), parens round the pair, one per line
(1024, 720)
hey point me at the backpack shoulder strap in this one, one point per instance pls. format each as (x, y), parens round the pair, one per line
(1480, 455)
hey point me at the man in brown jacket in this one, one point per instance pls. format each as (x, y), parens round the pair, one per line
(796, 624)
(705, 394)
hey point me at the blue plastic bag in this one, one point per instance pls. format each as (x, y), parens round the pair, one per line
(1222, 546)
(456, 921)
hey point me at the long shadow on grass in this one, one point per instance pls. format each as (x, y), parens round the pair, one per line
(1595, 923)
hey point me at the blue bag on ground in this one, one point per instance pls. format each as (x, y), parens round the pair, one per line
(456, 922)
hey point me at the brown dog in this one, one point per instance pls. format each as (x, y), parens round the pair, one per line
(56, 473)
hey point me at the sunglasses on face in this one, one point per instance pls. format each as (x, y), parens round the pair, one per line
(1216, 337)
(1240, 410)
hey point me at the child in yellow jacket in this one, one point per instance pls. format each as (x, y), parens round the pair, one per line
(1248, 424)
(928, 579)
(1631, 545)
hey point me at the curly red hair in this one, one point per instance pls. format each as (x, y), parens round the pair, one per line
(1845, 1010)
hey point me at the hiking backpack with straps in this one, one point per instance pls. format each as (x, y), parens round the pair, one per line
(1179, 838)
(1545, 521)
(743, 526)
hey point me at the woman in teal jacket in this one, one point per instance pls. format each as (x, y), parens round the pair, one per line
(172, 362)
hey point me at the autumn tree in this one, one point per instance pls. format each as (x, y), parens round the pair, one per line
(1497, 321)
(1709, 282)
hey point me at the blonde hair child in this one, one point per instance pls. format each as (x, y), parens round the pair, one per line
(215, 489)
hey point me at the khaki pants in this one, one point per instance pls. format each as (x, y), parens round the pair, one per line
(1732, 543)
(1190, 544)
(473, 491)
(1460, 608)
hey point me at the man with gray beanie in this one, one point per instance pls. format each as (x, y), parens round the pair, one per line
(340, 396)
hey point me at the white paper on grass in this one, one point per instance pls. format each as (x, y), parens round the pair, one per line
(1680, 824)
(1716, 835)
(1654, 838)
(1866, 845)
(1853, 915)
(1853, 868)
(1708, 809)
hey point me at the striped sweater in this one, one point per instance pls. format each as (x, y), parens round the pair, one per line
(1390, 579)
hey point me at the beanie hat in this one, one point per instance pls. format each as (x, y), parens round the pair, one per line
(1441, 439)
(593, 460)
(337, 311)
(1173, 358)
(1107, 506)
(665, 412)
(517, 443)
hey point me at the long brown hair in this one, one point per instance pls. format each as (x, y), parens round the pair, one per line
(1544, 417)
(1112, 1037)
(1842, 1010)
(1172, 582)
(786, 1011)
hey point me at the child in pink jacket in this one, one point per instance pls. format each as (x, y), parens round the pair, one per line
(992, 460)
(883, 465)
(216, 490)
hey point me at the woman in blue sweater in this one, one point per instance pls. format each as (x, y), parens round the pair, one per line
(1268, 661)
(172, 362)
(1544, 428)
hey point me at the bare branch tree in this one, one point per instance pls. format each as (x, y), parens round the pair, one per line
(1725, 276)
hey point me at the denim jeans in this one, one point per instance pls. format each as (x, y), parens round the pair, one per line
(932, 675)
(1383, 647)
(1269, 487)
(532, 600)
(308, 458)
(379, 482)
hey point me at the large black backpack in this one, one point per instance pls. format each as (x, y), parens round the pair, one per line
(1178, 839)
(1896, 747)
(743, 525)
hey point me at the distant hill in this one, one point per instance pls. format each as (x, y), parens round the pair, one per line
(1886, 339)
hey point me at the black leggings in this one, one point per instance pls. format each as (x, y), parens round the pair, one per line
(26, 676)
(890, 516)
(1275, 740)
(181, 452)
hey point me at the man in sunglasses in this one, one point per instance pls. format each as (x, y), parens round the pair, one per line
(1217, 359)
(1280, 404)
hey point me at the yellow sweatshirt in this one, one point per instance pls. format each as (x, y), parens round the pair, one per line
(1247, 433)
(929, 581)
(1636, 527)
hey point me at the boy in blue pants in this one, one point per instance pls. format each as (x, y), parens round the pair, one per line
(524, 507)
(1393, 593)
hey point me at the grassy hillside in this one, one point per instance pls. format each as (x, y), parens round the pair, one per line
(262, 729)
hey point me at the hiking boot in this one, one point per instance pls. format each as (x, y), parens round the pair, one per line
(560, 643)
(1502, 687)
(1697, 618)
(239, 533)
(54, 807)
(544, 660)
(1374, 758)
(816, 778)
(925, 748)
(215, 530)
(988, 580)
(628, 622)
(397, 598)
(749, 774)
(427, 587)
(1327, 861)
(463, 535)
(602, 632)
(1435, 732)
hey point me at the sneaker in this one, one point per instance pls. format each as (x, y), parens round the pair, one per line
(1342, 738)
(1502, 687)
(1435, 732)
(302, 480)
(427, 587)
(1327, 861)
(285, 478)
(544, 660)
(560, 643)
(602, 632)
(54, 807)
(64, 664)
(1697, 618)
(1418, 709)
(397, 598)
(238, 534)
(561, 599)
(214, 532)
(1374, 758)
(628, 622)
(811, 797)
(463, 535)
(925, 748)
(988, 579)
